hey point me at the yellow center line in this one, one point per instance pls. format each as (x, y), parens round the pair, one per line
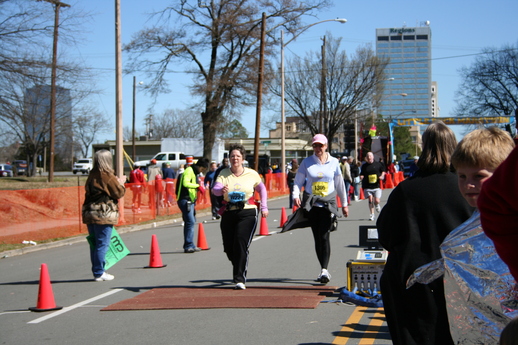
(373, 328)
(349, 328)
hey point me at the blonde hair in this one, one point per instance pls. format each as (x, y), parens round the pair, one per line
(483, 148)
(103, 161)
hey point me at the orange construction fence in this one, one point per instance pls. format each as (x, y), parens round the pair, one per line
(43, 214)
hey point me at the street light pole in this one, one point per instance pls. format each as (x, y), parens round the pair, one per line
(58, 5)
(283, 117)
(134, 153)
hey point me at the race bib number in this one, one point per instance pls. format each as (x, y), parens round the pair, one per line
(319, 188)
(235, 197)
(373, 178)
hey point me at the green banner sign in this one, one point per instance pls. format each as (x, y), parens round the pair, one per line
(116, 251)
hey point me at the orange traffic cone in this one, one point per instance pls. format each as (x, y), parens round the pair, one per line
(381, 185)
(295, 207)
(284, 218)
(396, 179)
(263, 231)
(155, 259)
(202, 240)
(362, 196)
(388, 181)
(339, 202)
(45, 294)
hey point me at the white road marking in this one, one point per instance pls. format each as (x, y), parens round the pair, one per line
(77, 305)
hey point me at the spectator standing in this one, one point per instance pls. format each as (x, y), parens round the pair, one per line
(478, 319)
(322, 180)
(138, 183)
(420, 212)
(370, 175)
(168, 175)
(209, 183)
(100, 209)
(152, 171)
(355, 176)
(346, 173)
(290, 178)
(238, 223)
(186, 193)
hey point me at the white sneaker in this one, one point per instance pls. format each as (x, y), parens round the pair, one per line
(105, 276)
(356, 198)
(378, 208)
(240, 286)
(371, 218)
(324, 276)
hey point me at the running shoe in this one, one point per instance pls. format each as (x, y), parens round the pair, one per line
(324, 276)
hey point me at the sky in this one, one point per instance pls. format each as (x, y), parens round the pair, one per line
(460, 30)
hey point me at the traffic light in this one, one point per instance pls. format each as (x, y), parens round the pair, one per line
(349, 137)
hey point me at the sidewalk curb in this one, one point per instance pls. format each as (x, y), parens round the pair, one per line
(82, 238)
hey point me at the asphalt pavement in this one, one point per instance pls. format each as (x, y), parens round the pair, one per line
(286, 259)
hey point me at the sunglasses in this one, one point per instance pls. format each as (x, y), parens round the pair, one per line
(317, 145)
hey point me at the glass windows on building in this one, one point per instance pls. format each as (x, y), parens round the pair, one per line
(409, 70)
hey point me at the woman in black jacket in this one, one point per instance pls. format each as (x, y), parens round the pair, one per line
(419, 213)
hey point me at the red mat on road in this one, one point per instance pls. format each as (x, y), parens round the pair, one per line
(280, 297)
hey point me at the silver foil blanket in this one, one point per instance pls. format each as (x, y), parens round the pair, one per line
(481, 294)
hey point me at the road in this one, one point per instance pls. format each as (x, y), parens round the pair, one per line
(278, 259)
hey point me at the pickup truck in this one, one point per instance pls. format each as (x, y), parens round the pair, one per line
(175, 158)
(83, 165)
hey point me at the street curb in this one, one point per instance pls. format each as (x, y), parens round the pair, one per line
(82, 238)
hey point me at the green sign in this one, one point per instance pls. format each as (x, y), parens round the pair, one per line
(116, 251)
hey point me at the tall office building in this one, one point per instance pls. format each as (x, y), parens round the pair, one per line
(408, 72)
(37, 114)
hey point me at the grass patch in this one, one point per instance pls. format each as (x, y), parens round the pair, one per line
(40, 182)
(4, 247)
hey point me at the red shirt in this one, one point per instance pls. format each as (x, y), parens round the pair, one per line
(137, 176)
(498, 206)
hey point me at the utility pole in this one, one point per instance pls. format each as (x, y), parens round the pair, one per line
(57, 5)
(119, 166)
(323, 102)
(259, 95)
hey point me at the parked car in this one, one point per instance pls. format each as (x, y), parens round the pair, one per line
(83, 165)
(6, 170)
(20, 167)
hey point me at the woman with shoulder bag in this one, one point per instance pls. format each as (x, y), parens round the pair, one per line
(100, 209)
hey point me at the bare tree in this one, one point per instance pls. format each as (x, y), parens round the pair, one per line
(490, 84)
(87, 124)
(219, 41)
(349, 83)
(26, 33)
(175, 123)
(26, 30)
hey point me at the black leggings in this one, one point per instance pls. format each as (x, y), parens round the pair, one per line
(320, 219)
(237, 230)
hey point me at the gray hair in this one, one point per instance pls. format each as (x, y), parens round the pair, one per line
(103, 161)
